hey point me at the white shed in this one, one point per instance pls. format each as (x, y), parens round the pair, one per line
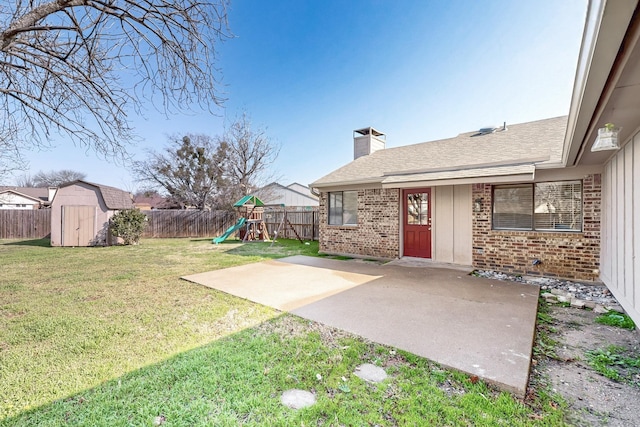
(80, 213)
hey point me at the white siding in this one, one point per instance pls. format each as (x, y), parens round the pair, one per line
(9, 200)
(285, 196)
(452, 236)
(620, 254)
(301, 189)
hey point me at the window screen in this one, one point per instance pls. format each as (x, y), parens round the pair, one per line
(558, 206)
(335, 208)
(544, 206)
(343, 208)
(513, 207)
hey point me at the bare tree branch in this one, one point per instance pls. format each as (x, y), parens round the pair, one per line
(55, 178)
(78, 67)
(211, 172)
(10, 157)
(250, 153)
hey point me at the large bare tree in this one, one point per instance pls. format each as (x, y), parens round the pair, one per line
(55, 178)
(211, 172)
(191, 170)
(78, 67)
(250, 155)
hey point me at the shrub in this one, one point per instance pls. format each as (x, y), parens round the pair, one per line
(128, 224)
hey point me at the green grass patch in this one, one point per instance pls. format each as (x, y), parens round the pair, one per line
(268, 250)
(545, 345)
(238, 380)
(72, 318)
(111, 336)
(616, 363)
(619, 320)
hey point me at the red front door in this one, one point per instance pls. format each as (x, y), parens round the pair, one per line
(417, 223)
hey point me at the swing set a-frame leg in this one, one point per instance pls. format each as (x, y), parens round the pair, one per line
(295, 232)
(275, 236)
(282, 222)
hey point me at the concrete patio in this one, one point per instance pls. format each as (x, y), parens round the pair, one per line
(480, 326)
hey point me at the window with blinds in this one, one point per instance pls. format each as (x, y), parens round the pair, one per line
(513, 207)
(558, 206)
(544, 206)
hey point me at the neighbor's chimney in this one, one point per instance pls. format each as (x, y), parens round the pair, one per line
(366, 141)
(52, 192)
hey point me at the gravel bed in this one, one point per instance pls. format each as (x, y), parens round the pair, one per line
(598, 293)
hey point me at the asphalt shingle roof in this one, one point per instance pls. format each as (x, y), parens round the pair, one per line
(41, 194)
(538, 143)
(113, 197)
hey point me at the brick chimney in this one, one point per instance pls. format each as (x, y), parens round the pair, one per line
(366, 141)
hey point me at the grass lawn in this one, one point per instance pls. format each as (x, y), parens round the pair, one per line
(111, 336)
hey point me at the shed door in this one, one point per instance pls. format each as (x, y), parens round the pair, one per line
(417, 223)
(78, 225)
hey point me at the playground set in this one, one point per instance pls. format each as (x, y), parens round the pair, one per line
(250, 224)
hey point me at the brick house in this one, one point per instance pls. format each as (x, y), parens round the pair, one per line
(498, 198)
(539, 198)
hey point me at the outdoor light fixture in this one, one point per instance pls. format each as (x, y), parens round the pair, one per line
(607, 138)
(477, 204)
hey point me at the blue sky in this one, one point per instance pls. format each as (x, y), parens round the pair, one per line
(311, 72)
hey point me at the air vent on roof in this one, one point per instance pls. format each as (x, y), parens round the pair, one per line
(491, 129)
(487, 129)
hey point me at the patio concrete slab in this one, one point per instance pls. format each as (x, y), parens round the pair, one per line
(281, 285)
(480, 326)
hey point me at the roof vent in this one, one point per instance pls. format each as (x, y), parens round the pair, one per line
(487, 129)
(491, 129)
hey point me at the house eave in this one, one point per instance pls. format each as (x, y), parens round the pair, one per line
(505, 173)
(478, 166)
(26, 196)
(370, 182)
(605, 29)
(463, 181)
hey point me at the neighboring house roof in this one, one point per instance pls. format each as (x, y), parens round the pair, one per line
(155, 202)
(514, 152)
(17, 193)
(276, 194)
(303, 189)
(114, 198)
(38, 194)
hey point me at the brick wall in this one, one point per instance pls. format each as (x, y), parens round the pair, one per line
(569, 254)
(377, 233)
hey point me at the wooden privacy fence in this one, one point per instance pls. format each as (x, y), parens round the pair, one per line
(305, 224)
(187, 223)
(25, 224)
(36, 224)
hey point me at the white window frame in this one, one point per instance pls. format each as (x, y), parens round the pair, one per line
(536, 209)
(336, 212)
